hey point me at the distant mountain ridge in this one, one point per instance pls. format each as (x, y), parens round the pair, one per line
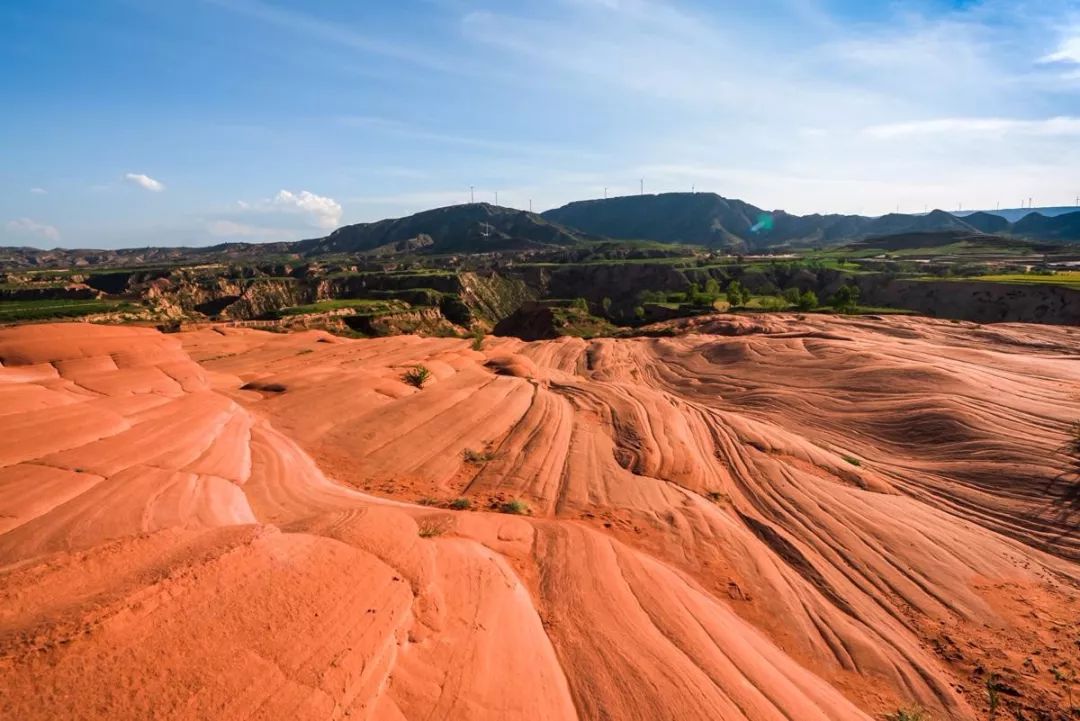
(467, 228)
(704, 219)
(470, 228)
(1014, 214)
(713, 221)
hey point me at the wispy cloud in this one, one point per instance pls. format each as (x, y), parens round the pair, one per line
(145, 182)
(38, 191)
(397, 128)
(337, 33)
(749, 105)
(29, 228)
(232, 230)
(1057, 126)
(1068, 52)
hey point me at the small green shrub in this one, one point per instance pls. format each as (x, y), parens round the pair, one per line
(846, 299)
(472, 456)
(853, 460)
(430, 529)
(461, 504)
(515, 507)
(736, 294)
(911, 713)
(416, 376)
(1066, 677)
(808, 300)
(993, 698)
(478, 339)
(773, 302)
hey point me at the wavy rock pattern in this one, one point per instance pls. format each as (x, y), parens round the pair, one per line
(787, 518)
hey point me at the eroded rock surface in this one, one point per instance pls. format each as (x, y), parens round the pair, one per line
(816, 518)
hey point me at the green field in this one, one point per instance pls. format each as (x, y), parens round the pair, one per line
(1064, 279)
(361, 305)
(16, 310)
(1067, 279)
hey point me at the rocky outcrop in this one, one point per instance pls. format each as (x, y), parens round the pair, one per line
(492, 297)
(263, 296)
(421, 321)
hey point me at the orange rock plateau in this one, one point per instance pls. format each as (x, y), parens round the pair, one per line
(783, 519)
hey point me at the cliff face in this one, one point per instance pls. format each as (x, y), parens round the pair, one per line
(423, 321)
(263, 296)
(976, 300)
(188, 294)
(493, 297)
(358, 284)
(615, 280)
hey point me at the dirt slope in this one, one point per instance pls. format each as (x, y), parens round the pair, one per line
(780, 519)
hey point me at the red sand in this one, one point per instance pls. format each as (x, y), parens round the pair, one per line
(825, 518)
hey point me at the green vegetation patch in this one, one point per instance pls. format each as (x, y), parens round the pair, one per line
(19, 310)
(1067, 279)
(361, 305)
(574, 321)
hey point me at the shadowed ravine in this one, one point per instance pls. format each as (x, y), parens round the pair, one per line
(801, 518)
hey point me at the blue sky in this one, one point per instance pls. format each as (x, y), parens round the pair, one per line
(149, 122)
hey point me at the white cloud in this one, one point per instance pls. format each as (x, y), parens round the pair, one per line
(1069, 52)
(1059, 126)
(27, 227)
(145, 181)
(38, 191)
(289, 215)
(321, 211)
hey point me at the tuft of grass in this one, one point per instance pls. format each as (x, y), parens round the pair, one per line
(993, 696)
(461, 504)
(428, 501)
(911, 713)
(516, 507)
(416, 376)
(853, 460)
(430, 529)
(478, 339)
(1066, 677)
(472, 456)
(717, 497)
